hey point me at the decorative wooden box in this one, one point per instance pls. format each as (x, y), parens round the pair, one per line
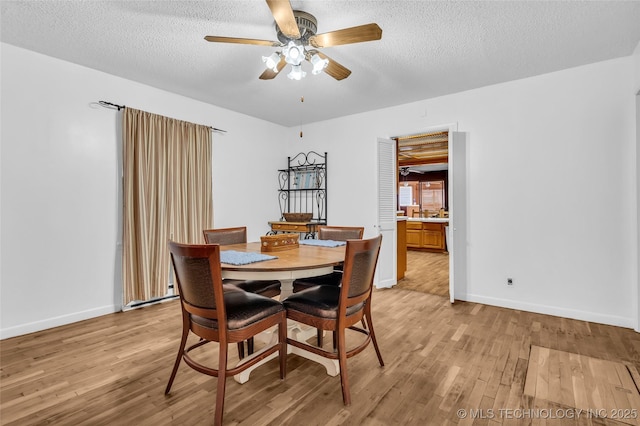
(279, 242)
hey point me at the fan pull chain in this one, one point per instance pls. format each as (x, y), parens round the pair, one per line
(301, 101)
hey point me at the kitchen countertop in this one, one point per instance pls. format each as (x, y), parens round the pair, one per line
(429, 219)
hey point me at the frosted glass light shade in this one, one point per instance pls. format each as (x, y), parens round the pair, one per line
(296, 72)
(318, 63)
(293, 53)
(271, 61)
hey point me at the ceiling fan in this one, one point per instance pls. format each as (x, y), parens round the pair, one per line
(404, 171)
(296, 33)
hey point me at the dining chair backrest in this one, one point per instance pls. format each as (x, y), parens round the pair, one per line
(361, 257)
(199, 280)
(340, 233)
(226, 236)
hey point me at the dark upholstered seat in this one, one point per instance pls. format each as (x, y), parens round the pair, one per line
(267, 288)
(230, 287)
(320, 301)
(336, 308)
(333, 279)
(216, 315)
(243, 309)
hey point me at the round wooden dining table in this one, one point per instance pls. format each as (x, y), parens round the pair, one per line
(302, 261)
(299, 262)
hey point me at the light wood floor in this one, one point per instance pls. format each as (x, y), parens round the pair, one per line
(440, 358)
(426, 272)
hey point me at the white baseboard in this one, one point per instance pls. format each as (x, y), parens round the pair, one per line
(45, 324)
(552, 310)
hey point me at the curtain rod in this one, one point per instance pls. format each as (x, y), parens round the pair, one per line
(109, 105)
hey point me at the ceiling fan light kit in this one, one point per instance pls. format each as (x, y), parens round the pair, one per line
(296, 31)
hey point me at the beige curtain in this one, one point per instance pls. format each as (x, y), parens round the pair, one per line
(167, 195)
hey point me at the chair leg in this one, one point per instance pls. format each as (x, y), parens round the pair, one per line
(240, 350)
(320, 334)
(282, 351)
(222, 382)
(183, 342)
(373, 334)
(342, 360)
(364, 325)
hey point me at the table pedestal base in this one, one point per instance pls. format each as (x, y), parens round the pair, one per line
(294, 332)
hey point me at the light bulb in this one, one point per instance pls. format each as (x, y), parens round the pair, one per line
(271, 61)
(296, 72)
(293, 53)
(318, 63)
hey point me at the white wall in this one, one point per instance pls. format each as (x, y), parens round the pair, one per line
(541, 151)
(61, 221)
(551, 186)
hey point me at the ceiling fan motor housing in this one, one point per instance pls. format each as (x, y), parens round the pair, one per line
(307, 25)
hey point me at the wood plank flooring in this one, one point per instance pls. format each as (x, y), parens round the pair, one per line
(440, 359)
(426, 272)
(583, 382)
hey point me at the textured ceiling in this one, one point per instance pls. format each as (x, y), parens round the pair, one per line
(428, 48)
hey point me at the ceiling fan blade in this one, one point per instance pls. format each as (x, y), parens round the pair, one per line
(268, 74)
(357, 34)
(283, 15)
(237, 40)
(334, 69)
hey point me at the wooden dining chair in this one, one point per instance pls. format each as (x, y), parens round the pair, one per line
(268, 288)
(338, 308)
(215, 315)
(335, 233)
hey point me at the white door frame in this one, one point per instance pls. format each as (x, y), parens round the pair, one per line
(458, 219)
(451, 128)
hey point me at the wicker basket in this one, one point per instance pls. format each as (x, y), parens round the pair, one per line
(279, 242)
(297, 217)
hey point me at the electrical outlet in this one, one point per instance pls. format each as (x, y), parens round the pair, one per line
(509, 281)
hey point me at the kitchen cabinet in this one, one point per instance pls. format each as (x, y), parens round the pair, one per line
(414, 234)
(426, 234)
(401, 259)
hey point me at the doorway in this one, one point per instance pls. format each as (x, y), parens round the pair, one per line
(423, 197)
